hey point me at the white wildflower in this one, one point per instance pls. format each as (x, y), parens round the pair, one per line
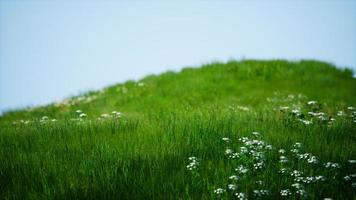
(297, 185)
(313, 160)
(260, 193)
(301, 192)
(243, 150)
(241, 196)
(341, 113)
(193, 163)
(285, 192)
(281, 151)
(104, 115)
(296, 173)
(350, 108)
(283, 170)
(319, 178)
(283, 159)
(228, 151)
(297, 145)
(117, 114)
(234, 178)
(225, 139)
(284, 108)
(352, 161)
(347, 178)
(331, 165)
(219, 191)
(306, 122)
(259, 182)
(311, 102)
(232, 187)
(241, 169)
(259, 165)
(256, 133)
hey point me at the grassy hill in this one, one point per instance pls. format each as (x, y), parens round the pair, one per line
(188, 135)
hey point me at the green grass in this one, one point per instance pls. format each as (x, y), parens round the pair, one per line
(170, 117)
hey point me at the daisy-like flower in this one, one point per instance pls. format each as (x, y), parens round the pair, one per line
(297, 145)
(117, 114)
(347, 178)
(225, 139)
(193, 163)
(259, 182)
(256, 133)
(341, 113)
(319, 178)
(296, 173)
(234, 178)
(352, 161)
(259, 165)
(260, 193)
(304, 121)
(283, 170)
(284, 108)
(331, 165)
(228, 151)
(283, 159)
(285, 192)
(241, 169)
(104, 115)
(281, 151)
(232, 187)
(313, 160)
(243, 150)
(301, 192)
(219, 191)
(311, 102)
(241, 196)
(297, 185)
(44, 118)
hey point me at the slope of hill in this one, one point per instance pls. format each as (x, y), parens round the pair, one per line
(161, 137)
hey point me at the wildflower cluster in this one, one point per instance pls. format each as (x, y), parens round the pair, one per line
(114, 114)
(250, 158)
(193, 163)
(46, 119)
(300, 172)
(311, 113)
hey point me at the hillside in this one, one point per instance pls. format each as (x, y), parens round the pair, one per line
(182, 135)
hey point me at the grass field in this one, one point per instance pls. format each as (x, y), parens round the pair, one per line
(237, 130)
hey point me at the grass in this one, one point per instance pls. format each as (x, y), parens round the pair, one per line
(50, 152)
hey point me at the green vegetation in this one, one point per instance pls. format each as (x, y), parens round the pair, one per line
(185, 135)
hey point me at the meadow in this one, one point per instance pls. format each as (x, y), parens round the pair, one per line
(248, 129)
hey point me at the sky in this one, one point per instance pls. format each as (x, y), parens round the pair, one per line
(50, 50)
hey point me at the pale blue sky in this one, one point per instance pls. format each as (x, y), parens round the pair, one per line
(50, 50)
